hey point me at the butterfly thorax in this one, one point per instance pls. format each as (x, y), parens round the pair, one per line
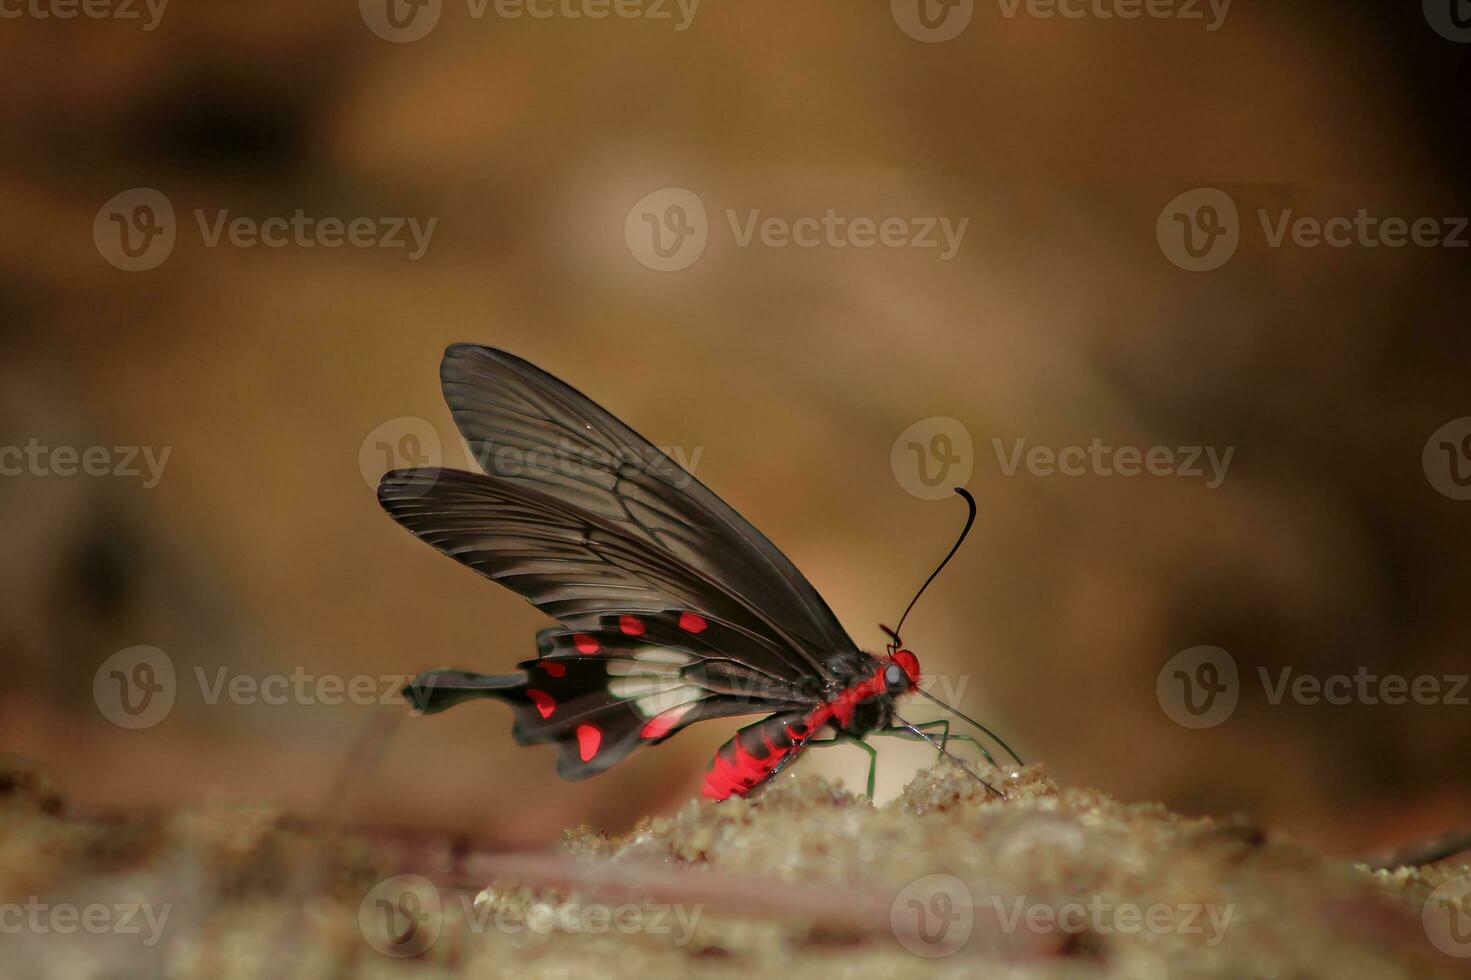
(861, 701)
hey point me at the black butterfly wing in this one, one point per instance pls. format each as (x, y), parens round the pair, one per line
(575, 566)
(633, 680)
(535, 432)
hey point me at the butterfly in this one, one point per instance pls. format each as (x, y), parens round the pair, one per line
(673, 609)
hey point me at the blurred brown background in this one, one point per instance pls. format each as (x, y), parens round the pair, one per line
(790, 371)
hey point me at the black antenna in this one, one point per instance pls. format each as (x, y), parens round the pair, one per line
(971, 503)
(896, 643)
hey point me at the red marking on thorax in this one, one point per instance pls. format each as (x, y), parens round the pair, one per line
(843, 706)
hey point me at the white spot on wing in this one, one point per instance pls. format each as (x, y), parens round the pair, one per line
(662, 655)
(655, 704)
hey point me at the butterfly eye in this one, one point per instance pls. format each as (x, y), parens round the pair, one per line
(895, 678)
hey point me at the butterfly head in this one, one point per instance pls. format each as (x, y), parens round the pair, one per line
(901, 674)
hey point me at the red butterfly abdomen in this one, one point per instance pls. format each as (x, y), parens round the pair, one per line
(757, 751)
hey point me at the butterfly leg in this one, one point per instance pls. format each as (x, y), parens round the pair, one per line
(873, 754)
(945, 736)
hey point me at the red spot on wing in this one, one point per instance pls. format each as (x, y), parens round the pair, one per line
(631, 625)
(554, 669)
(545, 703)
(589, 737)
(691, 623)
(659, 725)
(585, 643)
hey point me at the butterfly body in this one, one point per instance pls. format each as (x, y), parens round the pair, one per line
(759, 751)
(673, 608)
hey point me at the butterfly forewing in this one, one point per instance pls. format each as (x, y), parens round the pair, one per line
(528, 427)
(571, 565)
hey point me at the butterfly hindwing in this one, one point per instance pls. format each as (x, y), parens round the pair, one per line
(629, 681)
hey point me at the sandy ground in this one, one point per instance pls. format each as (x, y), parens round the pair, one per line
(808, 877)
